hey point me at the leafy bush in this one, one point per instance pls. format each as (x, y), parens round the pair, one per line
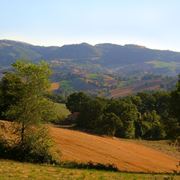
(60, 113)
(37, 147)
(90, 165)
(3, 147)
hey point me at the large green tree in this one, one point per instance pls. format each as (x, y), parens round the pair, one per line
(27, 85)
(11, 90)
(174, 122)
(91, 114)
(76, 101)
(175, 101)
(110, 124)
(127, 112)
(151, 126)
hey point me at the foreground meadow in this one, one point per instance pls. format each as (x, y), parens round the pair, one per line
(11, 170)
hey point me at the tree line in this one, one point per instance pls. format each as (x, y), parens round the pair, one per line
(146, 115)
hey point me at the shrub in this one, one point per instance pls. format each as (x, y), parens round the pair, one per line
(3, 146)
(90, 165)
(37, 147)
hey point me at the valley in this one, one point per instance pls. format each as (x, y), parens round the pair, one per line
(108, 70)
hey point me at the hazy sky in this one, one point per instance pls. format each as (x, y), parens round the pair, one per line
(153, 23)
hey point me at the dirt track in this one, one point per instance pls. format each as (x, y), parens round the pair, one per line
(127, 156)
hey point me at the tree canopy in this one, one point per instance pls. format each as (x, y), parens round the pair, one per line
(22, 92)
(147, 115)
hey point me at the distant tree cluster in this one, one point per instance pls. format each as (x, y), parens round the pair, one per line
(146, 115)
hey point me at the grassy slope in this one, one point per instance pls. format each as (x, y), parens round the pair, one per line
(20, 171)
(169, 65)
(165, 146)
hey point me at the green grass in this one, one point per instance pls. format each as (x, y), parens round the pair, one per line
(66, 85)
(11, 170)
(121, 84)
(92, 76)
(169, 65)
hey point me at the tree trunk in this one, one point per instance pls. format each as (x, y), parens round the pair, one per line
(22, 133)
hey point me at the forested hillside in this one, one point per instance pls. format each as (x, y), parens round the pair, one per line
(106, 55)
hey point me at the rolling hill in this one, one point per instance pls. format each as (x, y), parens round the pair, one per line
(105, 69)
(107, 55)
(126, 155)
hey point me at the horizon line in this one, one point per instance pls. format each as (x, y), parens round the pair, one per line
(92, 44)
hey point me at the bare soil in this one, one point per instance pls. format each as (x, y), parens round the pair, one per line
(127, 155)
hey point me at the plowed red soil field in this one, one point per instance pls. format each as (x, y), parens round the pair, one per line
(126, 155)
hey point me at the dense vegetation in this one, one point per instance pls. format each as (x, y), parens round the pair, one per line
(147, 115)
(23, 101)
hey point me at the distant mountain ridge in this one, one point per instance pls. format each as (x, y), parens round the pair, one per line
(109, 55)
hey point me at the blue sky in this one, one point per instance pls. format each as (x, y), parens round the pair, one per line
(152, 23)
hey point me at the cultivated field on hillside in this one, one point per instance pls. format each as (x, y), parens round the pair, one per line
(126, 155)
(139, 86)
